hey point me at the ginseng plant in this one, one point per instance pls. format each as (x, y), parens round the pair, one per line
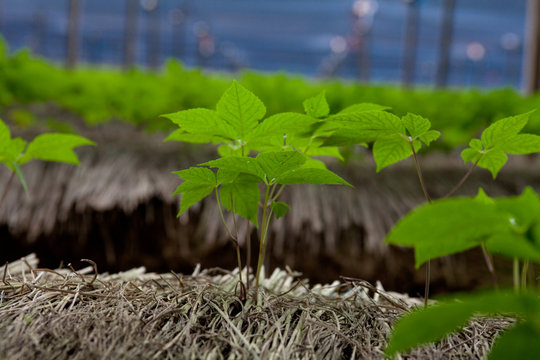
(258, 158)
(395, 139)
(15, 152)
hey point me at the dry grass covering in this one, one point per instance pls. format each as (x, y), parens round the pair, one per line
(60, 314)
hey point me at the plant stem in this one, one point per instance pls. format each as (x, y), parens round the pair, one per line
(420, 176)
(221, 215)
(428, 199)
(428, 280)
(248, 255)
(490, 267)
(262, 242)
(524, 271)
(278, 193)
(516, 275)
(234, 240)
(465, 177)
(4, 194)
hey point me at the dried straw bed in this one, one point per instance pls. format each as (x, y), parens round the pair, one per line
(46, 314)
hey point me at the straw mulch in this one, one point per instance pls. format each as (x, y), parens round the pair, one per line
(63, 313)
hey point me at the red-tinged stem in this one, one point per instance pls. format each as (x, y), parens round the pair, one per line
(262, 242)
(248, 255)
(420, 176)
(428, 199)
(490, 267)
(234, 240)
(465, 177)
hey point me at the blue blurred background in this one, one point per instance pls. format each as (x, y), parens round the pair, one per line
(371, 40)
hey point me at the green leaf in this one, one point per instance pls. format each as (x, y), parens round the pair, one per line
(280, 124)
(429, 136)
(425, 252)
(371, 124)
(317, 106)
(416, 125)
(245, 196)
(275, 163)
(390, 149)
(497, 140)
(519, 342)
(183, 136)
(231, 149)
(475, 144)
(500, 131)
(54, 147)
(345, 137)
(10, 152)
(513, 245)
(5, 135)
(431, 228)
(522, 144)
(202, 122)
(241, 109)
(483, 197)
(311, 176)
(225, 176)
(524, 209)
(493, 161)
(314, 163)
(470, 154)
(239, 164)
(316, 150)
(362, 107)
(198, 183)
(427, 325)
(431, 324)
(279, 208)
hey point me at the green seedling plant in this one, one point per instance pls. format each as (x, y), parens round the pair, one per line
(506, 226)
(15, 152)
(433, 323)
(394, 139)
(259, 157)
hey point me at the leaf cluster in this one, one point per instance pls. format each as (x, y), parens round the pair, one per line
(499, 139)
(15, 152)
(393, 138)
(237, 126)
(431, 324)
(508, 226)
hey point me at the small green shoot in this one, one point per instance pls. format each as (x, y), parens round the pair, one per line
(15, 152)
(246, 184)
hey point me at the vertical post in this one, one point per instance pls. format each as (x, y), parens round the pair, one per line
(411, 42)
(445, 44)
(39, 37)
(1, 14)
(73, 39)
(152, 35)
(531, 65)
(130, 32)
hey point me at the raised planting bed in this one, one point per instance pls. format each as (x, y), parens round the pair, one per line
(80, 314)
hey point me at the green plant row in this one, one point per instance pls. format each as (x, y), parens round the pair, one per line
(137, 96)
